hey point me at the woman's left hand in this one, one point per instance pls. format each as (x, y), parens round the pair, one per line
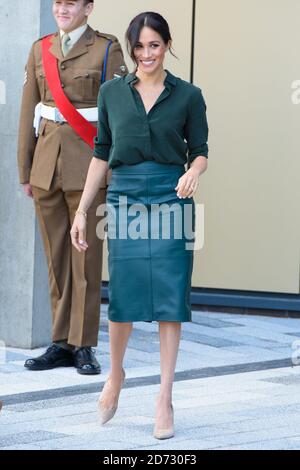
(188, 184)
(78, 233)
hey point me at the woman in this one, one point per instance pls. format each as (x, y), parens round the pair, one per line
(150, 124)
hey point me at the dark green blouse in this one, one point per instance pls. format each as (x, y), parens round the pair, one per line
(174, 131)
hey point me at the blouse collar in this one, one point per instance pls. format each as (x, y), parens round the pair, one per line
(132, 78)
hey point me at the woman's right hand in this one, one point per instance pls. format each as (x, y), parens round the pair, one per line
(78, 233)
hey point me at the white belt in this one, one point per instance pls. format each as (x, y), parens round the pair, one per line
(53, 114)
(90, 114)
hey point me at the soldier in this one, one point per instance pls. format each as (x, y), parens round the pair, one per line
(62, 80)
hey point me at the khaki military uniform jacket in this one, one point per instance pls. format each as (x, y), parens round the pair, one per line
(80, 71)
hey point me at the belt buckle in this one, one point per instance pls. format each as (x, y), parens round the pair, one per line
(58, 117)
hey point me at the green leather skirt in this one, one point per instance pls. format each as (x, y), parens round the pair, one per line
(150, 244)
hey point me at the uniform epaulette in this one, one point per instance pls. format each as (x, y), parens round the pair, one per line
(40, 39)
(110, 37)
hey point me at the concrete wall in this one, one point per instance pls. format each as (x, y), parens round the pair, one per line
(24, 301)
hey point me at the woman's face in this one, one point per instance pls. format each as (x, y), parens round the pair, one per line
(150, 51)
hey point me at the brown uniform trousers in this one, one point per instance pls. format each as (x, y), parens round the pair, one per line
(56, 165)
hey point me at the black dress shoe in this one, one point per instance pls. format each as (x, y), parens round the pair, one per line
(52, 358)
(86, 362)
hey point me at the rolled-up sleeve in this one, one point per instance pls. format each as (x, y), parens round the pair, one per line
(196, 127)
(102, 143)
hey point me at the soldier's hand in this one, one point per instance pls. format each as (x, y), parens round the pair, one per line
(78, 233)
(27, 190)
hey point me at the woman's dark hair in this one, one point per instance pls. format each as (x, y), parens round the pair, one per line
(152, 20)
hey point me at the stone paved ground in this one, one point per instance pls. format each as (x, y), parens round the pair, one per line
(236, 388)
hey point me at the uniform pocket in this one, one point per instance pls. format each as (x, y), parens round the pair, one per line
(86, 84)
(40, 142)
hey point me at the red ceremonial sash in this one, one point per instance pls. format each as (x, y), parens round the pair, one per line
(80, 125)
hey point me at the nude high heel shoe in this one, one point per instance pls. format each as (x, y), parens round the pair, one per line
(106, 414)
(165, 433)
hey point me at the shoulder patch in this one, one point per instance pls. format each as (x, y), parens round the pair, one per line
(25, 78)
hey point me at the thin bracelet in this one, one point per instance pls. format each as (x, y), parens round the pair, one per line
(80, 211)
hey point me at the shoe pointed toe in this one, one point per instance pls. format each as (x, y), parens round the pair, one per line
(106, 414)
(163, 433)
